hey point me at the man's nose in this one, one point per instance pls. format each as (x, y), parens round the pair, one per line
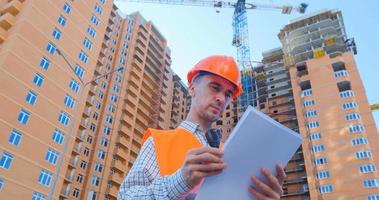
(220, 97)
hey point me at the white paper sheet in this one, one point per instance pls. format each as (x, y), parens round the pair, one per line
(257, 141)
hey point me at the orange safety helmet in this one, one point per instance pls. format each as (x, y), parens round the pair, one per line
(223, 66)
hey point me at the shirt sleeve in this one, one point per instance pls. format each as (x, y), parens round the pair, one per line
(144, 181)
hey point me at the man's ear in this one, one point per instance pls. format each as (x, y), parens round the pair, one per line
(191, 89)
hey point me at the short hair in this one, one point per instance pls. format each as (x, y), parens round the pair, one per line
(199, 75)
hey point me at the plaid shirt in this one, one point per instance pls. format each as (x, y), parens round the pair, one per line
(144, 181)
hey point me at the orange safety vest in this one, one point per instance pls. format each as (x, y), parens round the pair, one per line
(171, 147)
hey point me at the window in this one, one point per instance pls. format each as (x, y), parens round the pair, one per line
(114, 98)
(75, 86)
(106, 130)
(95, 20)
(62, 20)
(57, 34)
(67, 8)
(89, 139)
(118, 78)
(38, 80)
(15, 138)
(86, 151)
(111, 108)
(6, 160)
(320, 161)
(45, 177)
(92, 127)
(352, 116)
(91, 31)
(315, 136)
(371, 183)
(102, 1)
(83, 57)
(31, 97)
(116, 88)
(347, 93)
(359, 141)
(83, 164)
(79, 71)
(98, 9)
(310, 113)
(309, 103)
(101, 154)
(323, 174)
(326, 189)
(38, 196)
(58, 136)
(373, 197)
(318, 148)
(23, 116)
(98, 167)
(95, 116)
(75, 193)
(95, 180)
(79, 179)
(122, 61)
(356, 128)
(313, 124)
(51, 156)
(104, 142)
(307, 92)
(97, 105)
(100, 95)
(109, 119)
(1, 183)
(363, 154)
(64, 118)
(69, 101)
(367, 168)
(51, 48)
(45, 63)
(87, 43)
(349, 105)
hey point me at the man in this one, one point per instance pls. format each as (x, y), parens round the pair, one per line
(172, 164)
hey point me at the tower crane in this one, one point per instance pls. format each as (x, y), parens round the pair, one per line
(240, 33)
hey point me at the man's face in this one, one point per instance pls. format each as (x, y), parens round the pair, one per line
(210, 95)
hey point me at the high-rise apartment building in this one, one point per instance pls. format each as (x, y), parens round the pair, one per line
(78, 131)
(40, 95)
(333, 114)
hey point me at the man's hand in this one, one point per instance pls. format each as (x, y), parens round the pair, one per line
(200, 163)
(271, 190)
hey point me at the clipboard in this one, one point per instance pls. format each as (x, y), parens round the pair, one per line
(257, 141)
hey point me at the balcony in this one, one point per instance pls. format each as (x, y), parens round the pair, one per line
(122, 141)
(6, 21)
(84, 123)
(81, 135)
(77, 148)
(90, 100)
(65, 192)
(13, 7)
(117, 178)
(113, 191)
(3, 35)
(341, 73)
(121, 153)
(119, 166)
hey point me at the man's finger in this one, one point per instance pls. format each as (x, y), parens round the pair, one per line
(273, 181)
(202, 150)
(207, 167)
(265, 189)
(204, 158)
(256, 194)
(281, 174)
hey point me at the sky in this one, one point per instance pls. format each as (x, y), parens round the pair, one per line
(194, 32)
